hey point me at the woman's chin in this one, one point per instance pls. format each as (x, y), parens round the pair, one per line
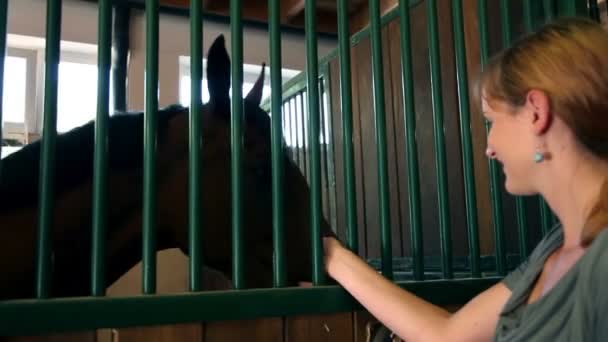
(517, 189)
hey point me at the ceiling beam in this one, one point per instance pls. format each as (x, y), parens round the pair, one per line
(186, 3)
(360, 19)
(326, 21)
(255, 14)
(291, 9)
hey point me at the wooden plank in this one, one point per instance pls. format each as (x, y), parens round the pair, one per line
(360, 19)
(290, 9)
(172, 277)
(337, 138)
(452, 131)
(261, 330)
(165, 333)
(400, 138)
(68, 337)
(424, 130)
(360, 320)
(318, 328)
(478, 130)
(365, 327)
(368, 148)
(338, 141)
(390, 96)
(356, 54)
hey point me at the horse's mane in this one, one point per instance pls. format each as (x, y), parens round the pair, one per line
(74, 157)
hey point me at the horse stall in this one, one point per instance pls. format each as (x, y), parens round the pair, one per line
(205, 222)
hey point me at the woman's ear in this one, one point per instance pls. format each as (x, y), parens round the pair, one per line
(539, 105)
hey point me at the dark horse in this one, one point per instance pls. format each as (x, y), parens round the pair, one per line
(71, 234)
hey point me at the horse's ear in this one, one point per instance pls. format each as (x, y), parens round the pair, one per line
(218, 70)
(255, 94)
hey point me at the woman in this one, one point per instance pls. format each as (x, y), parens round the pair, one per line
(547, 99)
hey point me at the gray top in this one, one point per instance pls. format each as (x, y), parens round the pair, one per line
(575, 309)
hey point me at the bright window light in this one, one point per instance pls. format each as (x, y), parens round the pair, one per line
(77, 95)
(13, 99)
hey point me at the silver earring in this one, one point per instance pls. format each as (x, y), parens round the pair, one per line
(539, 156)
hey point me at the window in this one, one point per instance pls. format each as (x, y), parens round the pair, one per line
(23, 97)
(19, 91)
(77, 91)
(15, 74)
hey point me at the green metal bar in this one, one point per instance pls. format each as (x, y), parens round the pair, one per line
(465, 132)
(312, 73)
(441, 163)
(545, 216)
(499, 235)
(347, 126)
(121, 43)
(150, 128)
(238, 245)
(567, 8)
(520, 207)
(3, 21)
(409, 112)
(274, 11)
(195, 147)
(544, 209)
(47, 157)
(305, 124)
(549, 7)
(104, 64)
(380, 123)
(528, 15)
(594, 11)
(572, 8)
(91, 313)
(523, 232)
(522, 225)
(505, 16)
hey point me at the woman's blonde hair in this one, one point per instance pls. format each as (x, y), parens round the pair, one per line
(568, 60)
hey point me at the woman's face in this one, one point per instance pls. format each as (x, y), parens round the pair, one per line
(511, 143)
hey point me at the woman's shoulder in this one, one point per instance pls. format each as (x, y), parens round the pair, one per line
(550, 241)
(592, 281)
(595, 263)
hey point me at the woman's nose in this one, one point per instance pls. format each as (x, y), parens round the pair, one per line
(490, 153)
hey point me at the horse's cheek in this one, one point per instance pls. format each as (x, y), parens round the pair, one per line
(17, 258)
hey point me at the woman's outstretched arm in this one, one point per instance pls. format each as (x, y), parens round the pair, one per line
(410, 317)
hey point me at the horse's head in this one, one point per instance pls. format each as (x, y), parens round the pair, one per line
(257, 200)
